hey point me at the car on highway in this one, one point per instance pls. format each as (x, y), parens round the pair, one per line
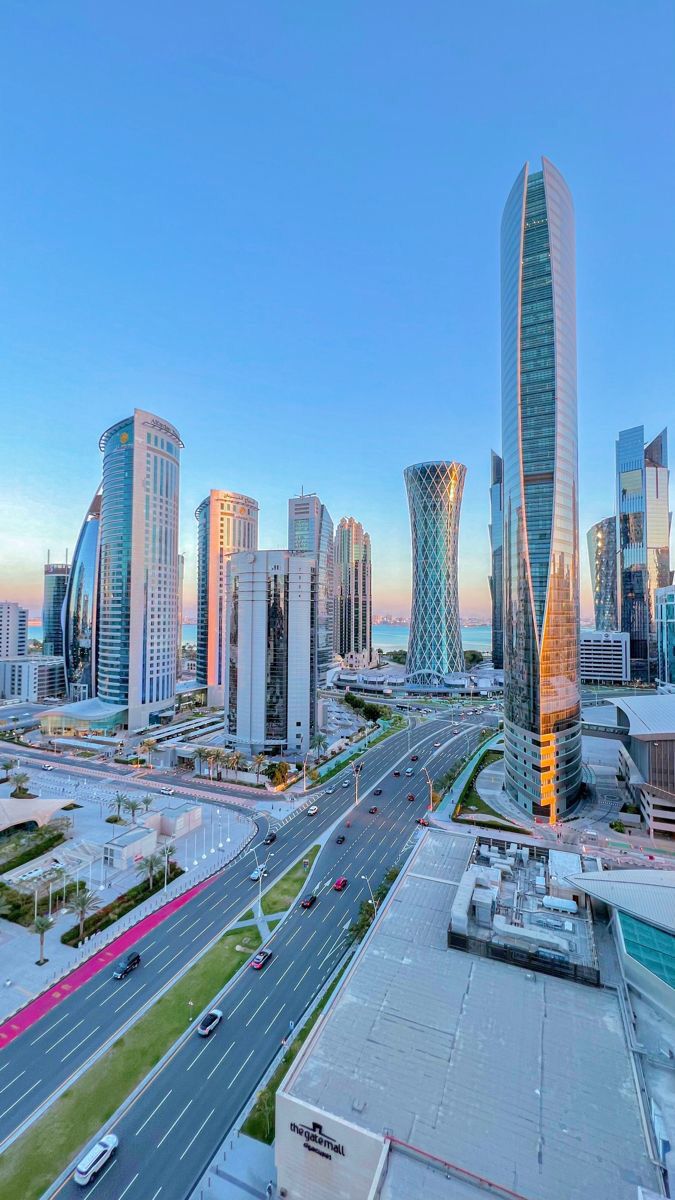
(421, 821)
(271, 837)
(397, 774)
(258, 874)
(410, 796)
(409, 771)
(345, 783)
(167, 791)
(209, 1022)
(340, 884)
(308, 900)
(373, 808)
(340, 839)
(414, 757)
(377, 792)
(262, 957)
(329, 791)
(95, 1159)
(127, 964)
(437, 745)
(313, 810)
(47, 766)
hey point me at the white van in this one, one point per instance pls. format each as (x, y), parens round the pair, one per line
(97, 1157)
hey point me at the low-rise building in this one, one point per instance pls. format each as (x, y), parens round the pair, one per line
(647, 757)
(604, 657)
(129, 847)
(35, 677)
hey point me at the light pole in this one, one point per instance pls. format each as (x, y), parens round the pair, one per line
(261, 870)
(431, 789)
(356, 768)
(304, 772)
(220, 830)
(373, 901)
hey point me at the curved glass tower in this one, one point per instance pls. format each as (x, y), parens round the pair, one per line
(78, 615)
(434, 498)
(542, 757)
(601, 539)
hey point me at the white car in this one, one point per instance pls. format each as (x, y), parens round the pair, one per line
(346, 783)
(167, 791)
(97, 1157)
(311, 812)
(258, 874)
(47, 767)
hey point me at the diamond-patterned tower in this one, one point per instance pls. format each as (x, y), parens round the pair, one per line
(434, 498)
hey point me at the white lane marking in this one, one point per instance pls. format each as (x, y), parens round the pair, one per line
(312, 934)
(302, 977)
(325, 943)
(123, 1194)
(195, 1136)
(128, 998)
(169, 961)
(254, 1014)
(288, 968)
(207, 1043)
(4, 1068)
(224, 1055)
(30, 1089)
(189, 927)
(155, 956)
(157, 1192)
(295, 932)
(62, 1039)
(202, 931)
(274, 1018)
(8, 1085)
(248, 993)
(100, 1179)
(141, 1127)
(84, 1039)
(240, 1070)
(175, 1123)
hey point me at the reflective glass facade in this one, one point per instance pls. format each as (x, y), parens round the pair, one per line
(497, 559)
(643, 535)
(665, 637)
(353, 603)
(652, 948)
(80, 608)
(602, 560)
(56, 583)
(541, 538)
(310, 531)
(434, 500)
(227, 522)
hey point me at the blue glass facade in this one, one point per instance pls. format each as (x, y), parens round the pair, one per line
(310, 531)
(665, 637)
(497, 559)
(115, 563)
(434, 500)
(80, 608)
(652, 948)
(56, 583)
(602, 561)
(541, 538)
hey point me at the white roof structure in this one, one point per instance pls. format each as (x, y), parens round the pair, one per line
(646, 894)
(17, 812)
(87, 710)
(648, 716)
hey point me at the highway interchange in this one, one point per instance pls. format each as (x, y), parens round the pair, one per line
(175, 1126)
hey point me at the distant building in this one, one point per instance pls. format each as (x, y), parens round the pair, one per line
(80, 608)
(33, 677)
(497, 558)
(227, 523)
(643, 532)
(604, 657)
(353, 602)
(542, 702)
(271, 683)
(55, 584)
(179, 614)
(434, 500)
(310, 531)
(13, 629)
(601, 539)
(665, 638)
(138, 573)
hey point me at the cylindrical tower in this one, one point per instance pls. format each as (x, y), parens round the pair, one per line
(80, 605)
(434, 498)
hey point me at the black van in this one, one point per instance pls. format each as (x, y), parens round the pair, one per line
(127, 964)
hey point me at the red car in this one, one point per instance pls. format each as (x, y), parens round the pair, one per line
(422, 821)
(410, 796)
(340, 884)
(308, 901)
(373, 809)
(262, 957)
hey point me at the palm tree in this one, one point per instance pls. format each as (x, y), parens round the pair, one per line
(118, 802)
(219, 759)
(259, 763)
(132, 805)
(149, 866)
(41, 925)
(210, 761)
(149, 745)
(20, 779)
(147, 802)
(235, 761)
(318, 744)
(84, 901)
(200, 755)
(8, 765)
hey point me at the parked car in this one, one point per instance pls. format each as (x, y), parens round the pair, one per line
(373, 808)
(340, 884)
(410, 796)
(95, 1159)
(377, 792)
(271, 837)
(209, 1022)
(258, 874)
(308, 901)
(340, 839)
(262, 957)
(313, 810)
(127, 964)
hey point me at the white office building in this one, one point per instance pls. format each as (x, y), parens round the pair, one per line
(13, 629)
(35, 677)
(604, 657)
(270, 685)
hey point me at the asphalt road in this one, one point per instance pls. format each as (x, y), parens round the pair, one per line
(44, 1059)
(175, 1126)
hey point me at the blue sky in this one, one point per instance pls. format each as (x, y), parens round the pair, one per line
(277, 225)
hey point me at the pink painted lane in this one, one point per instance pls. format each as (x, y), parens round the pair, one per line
(41, 1005)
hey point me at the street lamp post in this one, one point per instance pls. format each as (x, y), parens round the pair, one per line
(431, 789)
(261, 871)
(373, 901)
(356, 768)
(304, 772)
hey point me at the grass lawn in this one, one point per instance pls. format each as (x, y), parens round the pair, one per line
(32, 1162)
(282, 894)
(259, 1123)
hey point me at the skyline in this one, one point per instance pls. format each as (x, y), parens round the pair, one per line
(258, 290)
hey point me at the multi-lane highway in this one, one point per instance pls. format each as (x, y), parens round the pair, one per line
(41, 1062)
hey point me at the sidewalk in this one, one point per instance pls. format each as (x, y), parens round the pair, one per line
(242, 1169)
(447, 805)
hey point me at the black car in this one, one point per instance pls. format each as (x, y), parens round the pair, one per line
(373, 809)
(377, 792)
(127, 964)
(410, 796)
(271, 837)
(396, 774)
(308, 901)
(340, 839)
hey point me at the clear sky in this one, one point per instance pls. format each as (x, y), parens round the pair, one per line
(277, 225)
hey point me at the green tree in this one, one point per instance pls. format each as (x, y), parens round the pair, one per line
(41, 925)
(472, 658)
(220, 759)
(259, 762)
(148, 746)
(132, 805)
(149, 866)
(8, 765)
(236, 759)
(118, 802)
(318, 744)
(147, 802)
(84, 901)
(278, 773)
(20, 779)
(371, 712)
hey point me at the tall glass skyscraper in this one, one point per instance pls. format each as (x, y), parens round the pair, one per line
(138, 576)
(310, 531)
(602, 560)
(353, 603)
(643, 540)
(542, 758)
(80, 607)
(56, 583)
(227, 523)
(434, 499)
(497, 559)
